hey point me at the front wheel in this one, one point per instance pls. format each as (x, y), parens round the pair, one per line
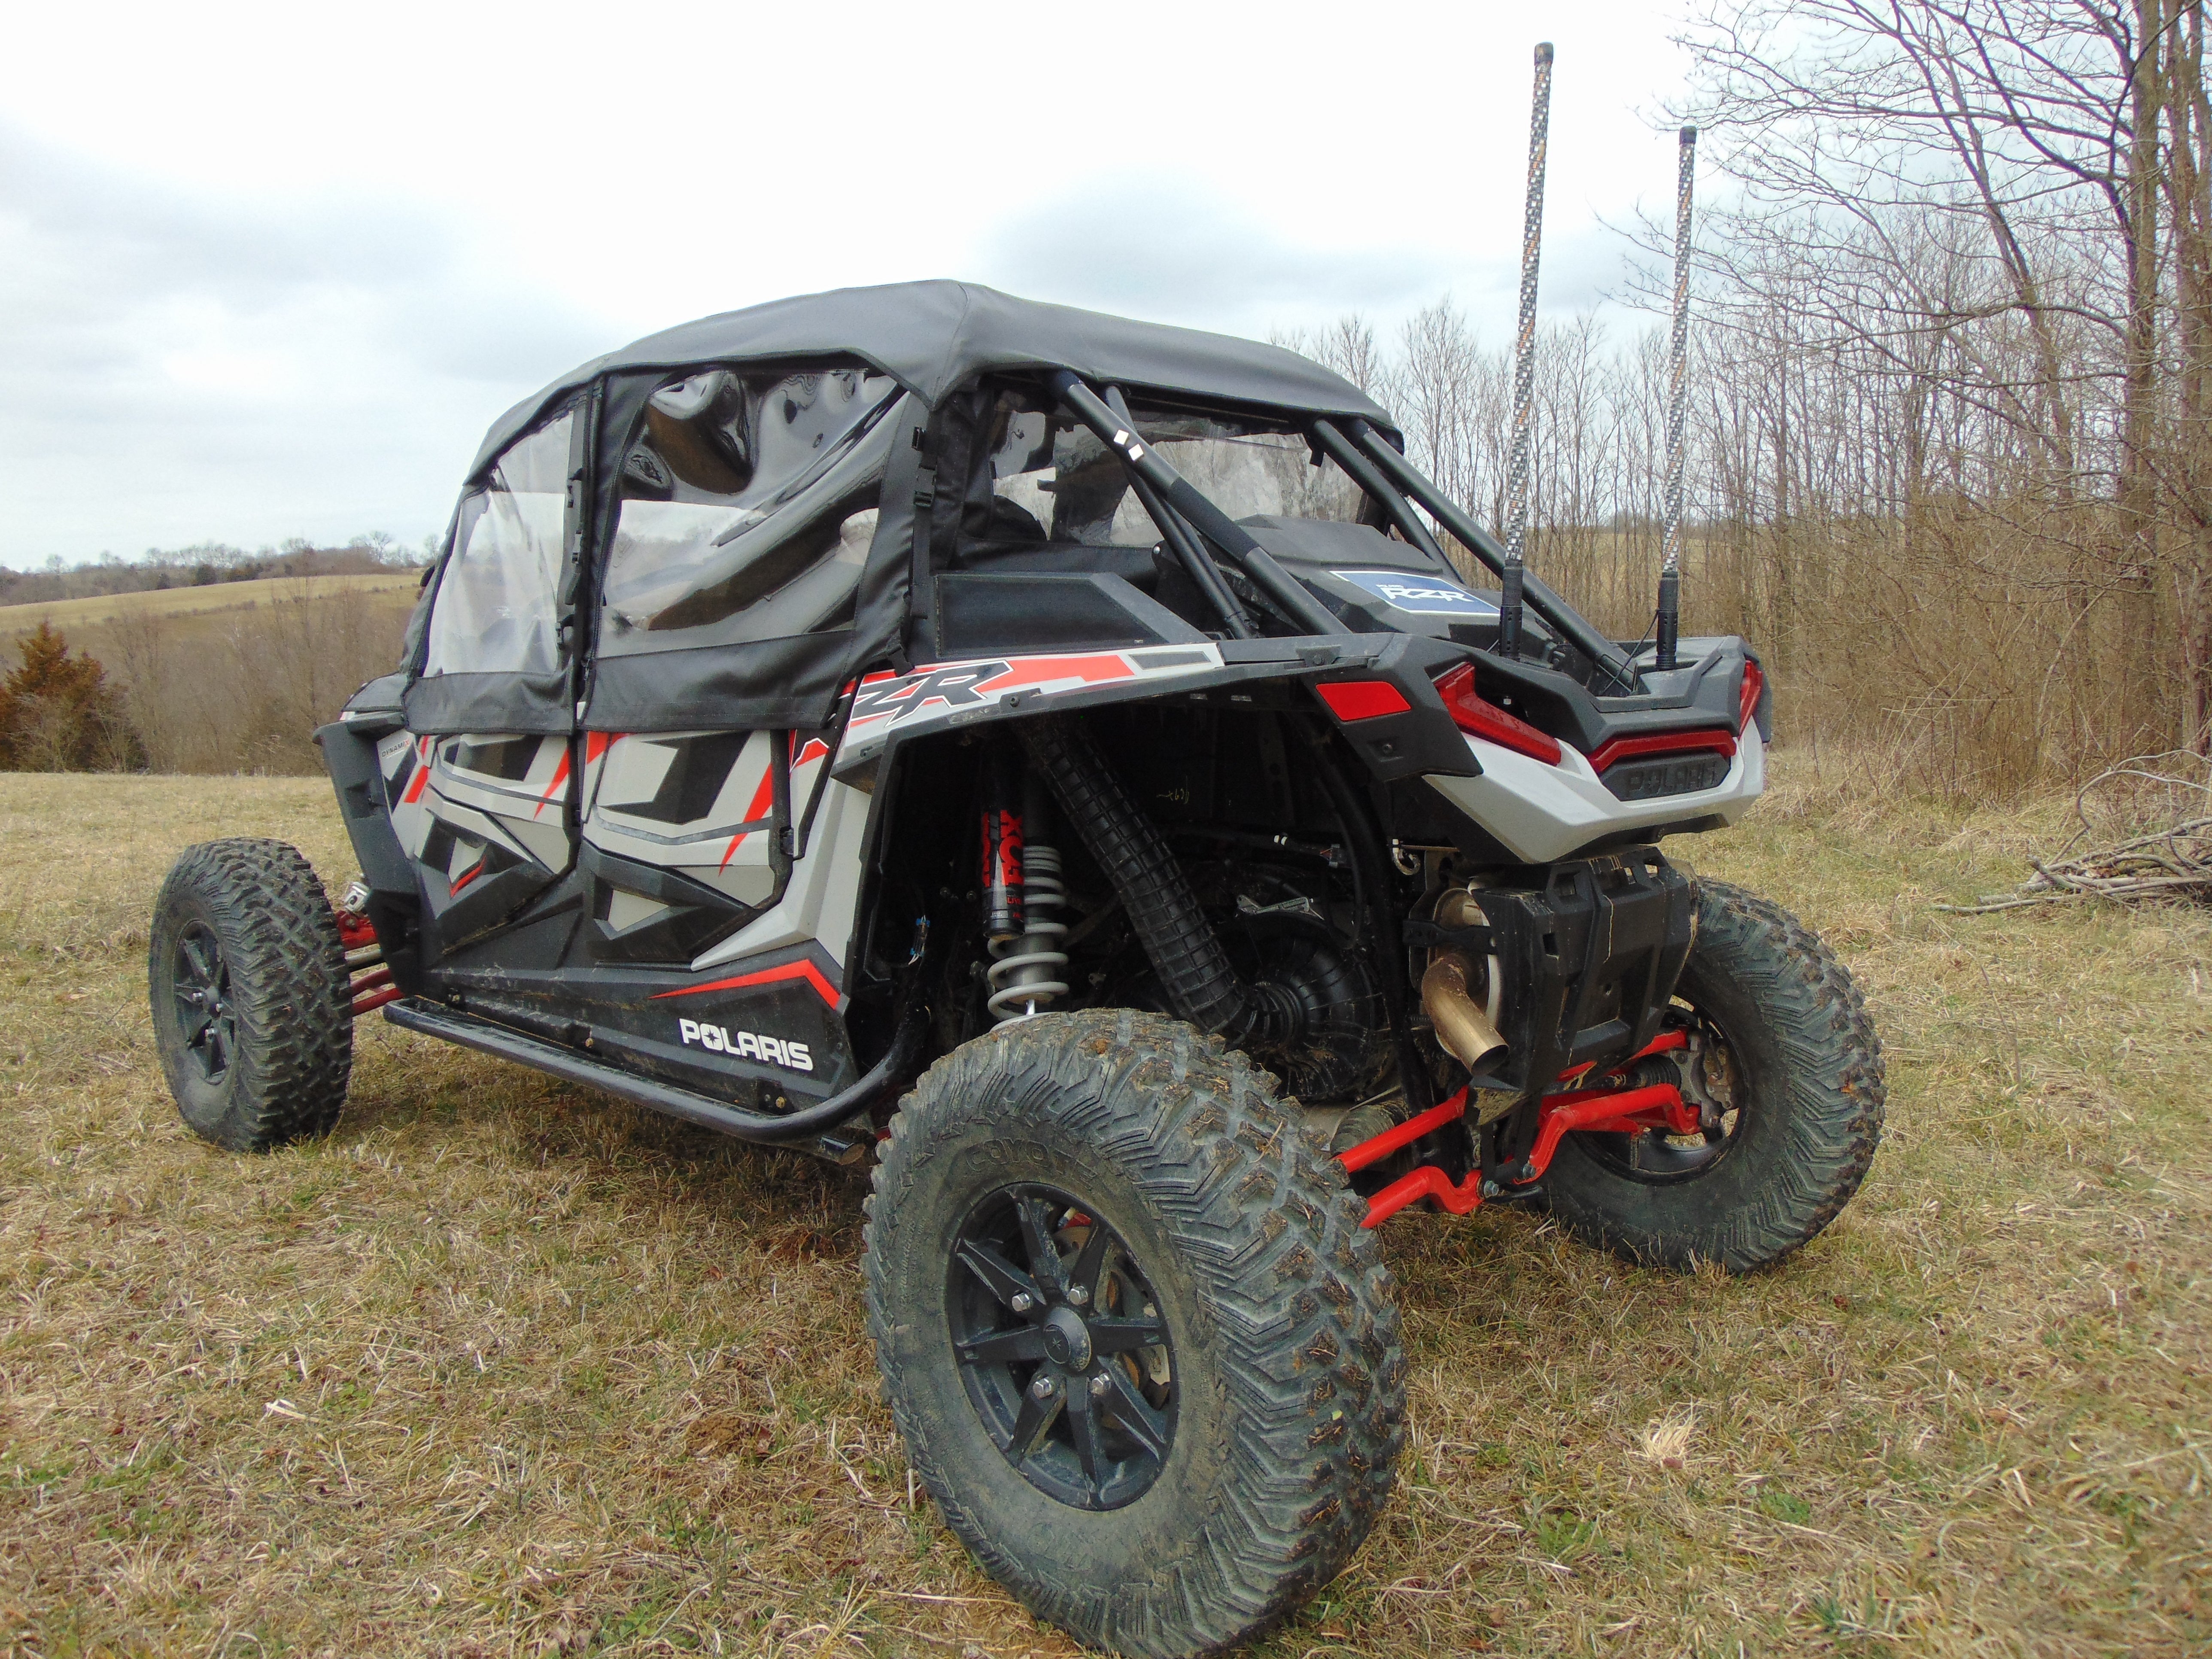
(1784, 1064)
(252, 1007)
(1143, 1356)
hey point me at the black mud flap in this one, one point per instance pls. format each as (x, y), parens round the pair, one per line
(1589, 961)
(395, 904)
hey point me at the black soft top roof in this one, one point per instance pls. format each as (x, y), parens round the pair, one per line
(932, 337)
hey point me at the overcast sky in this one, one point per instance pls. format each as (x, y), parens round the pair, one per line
(270, 271)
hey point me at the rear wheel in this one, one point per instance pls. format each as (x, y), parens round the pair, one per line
(1143, 1355)
(252, 1005)
(1785, 1068)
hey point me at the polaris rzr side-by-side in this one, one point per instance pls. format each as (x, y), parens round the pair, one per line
(1055, 758)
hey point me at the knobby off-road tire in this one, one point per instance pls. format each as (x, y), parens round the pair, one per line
(1807, 1084)
(253, 1006)
(1288, 1403)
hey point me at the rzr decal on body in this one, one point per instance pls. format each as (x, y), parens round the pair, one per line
(941, 690)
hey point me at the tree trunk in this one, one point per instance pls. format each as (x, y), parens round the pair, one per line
(2135, 574)
(2188, 178)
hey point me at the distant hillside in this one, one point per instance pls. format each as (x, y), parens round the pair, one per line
(72, 616)
(209, 565)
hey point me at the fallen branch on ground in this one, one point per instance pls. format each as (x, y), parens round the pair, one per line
(2174, 861)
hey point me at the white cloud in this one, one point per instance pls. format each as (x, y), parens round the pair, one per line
(272, 272)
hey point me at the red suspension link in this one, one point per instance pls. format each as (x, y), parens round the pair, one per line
(1606, 1111)
(358, 934)
(1404, 1134)
(373, 990)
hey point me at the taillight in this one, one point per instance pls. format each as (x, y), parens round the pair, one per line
(1362, 699)
(1660, 743)
(1754, 684)
(1488, 721)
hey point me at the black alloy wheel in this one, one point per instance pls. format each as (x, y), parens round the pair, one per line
(1141, 1351)
(1065, 1355)
(200, 985)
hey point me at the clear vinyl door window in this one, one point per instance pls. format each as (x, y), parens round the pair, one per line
(497, 606)
(748, 505)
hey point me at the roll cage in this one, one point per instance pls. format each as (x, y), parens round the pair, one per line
(1185, 518)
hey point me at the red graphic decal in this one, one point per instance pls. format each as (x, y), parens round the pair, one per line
(422, 773)
(595, 744)
(466, 877)
(805, 970)
(560, 777)
(762, 797)
(1037, 671)
(958, 685)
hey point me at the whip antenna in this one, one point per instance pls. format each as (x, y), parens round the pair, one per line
(1525, 364)
(1678, 407)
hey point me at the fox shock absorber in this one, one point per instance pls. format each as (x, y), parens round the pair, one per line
(1026, 971)
(1001, 874)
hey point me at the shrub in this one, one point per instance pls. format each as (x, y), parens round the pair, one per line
(58, 713)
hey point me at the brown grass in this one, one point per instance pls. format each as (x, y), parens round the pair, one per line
(504, 1367)
(72, 616)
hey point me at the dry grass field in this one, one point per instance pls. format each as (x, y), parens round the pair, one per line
(73, 616)
(507, 1368)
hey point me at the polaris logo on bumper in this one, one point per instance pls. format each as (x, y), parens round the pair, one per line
(746, 1045)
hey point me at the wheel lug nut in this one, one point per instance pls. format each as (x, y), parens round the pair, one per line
(1024, 1302)
(1099, 1386)
(1044, 1387)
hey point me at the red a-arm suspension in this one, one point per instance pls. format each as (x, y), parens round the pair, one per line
(1607, 1111)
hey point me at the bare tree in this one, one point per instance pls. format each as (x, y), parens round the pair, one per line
(1985, 199)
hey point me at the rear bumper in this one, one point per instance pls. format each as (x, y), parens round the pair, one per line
(1544, 813)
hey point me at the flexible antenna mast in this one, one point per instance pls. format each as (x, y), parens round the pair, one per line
(1678, 407)
(1525, 364)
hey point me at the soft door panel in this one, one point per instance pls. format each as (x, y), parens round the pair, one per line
(484, 818)
(681, 837)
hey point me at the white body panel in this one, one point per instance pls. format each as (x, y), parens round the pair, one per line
(819, 902)
(1542, 812)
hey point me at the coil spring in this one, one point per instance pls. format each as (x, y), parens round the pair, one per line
(1024, 971)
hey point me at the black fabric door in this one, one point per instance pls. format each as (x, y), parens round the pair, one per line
(483, 785)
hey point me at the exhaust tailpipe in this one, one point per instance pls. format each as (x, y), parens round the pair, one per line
(1462, 1026)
